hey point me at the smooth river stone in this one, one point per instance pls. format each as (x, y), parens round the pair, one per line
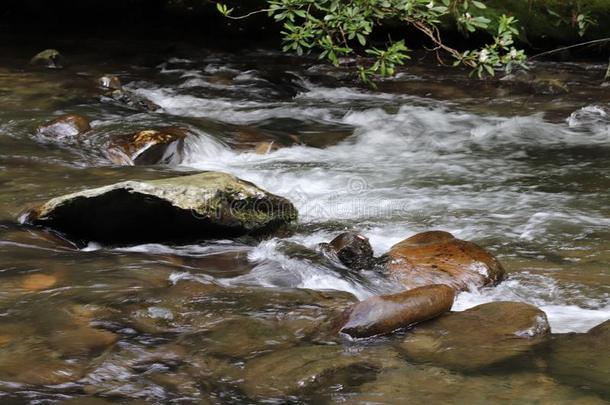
(583, 359)
(414, 384)
(386, 313)
(290, 371)
(478, 337)
(437, 257)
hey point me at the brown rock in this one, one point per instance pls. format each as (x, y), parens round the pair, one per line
(386, 313)
(352, 249)
(583, 359)
(37, 282)
(437, 257)
(434, 385)
(110, 82)
(478, 337)
(288, 371)
(65, 126)
(147, 147)
(264, 148)
(81, 340)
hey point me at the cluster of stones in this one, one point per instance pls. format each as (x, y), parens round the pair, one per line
(433, 267)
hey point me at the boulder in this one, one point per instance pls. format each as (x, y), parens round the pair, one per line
(386, 313)
(583, 359)
(65, 126)
(148, 147)
(49, 58)
(437, 257)
(478, 337)
(208, 205)
(351, 249)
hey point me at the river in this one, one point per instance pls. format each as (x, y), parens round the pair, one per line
(520, 170)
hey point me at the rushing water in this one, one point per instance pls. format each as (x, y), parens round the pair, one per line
(525, 175)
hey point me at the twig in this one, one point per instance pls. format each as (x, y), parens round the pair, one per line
(595, 41)
(241, 17)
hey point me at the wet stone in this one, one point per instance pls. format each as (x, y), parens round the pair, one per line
(148, 147)
(65, 126)
(437, 257)
(209, 205)
(49, 58)
(38, 282)
(286, 372)
(386, 313)
(352, 249)
(583, 359)
(438, 385)
(110, 82)
(478, 337)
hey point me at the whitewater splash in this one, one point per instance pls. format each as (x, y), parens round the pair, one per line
(411, 164)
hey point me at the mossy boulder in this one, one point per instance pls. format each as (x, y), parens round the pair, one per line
(208, 205)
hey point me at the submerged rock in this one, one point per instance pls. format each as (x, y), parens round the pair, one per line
(38, 282)
(423, 383)
(49, 58)
(187, 208)
(478, 337)
(65, 126)
(148, 147)
(437, 257)
(583, 359)
(386, 313)
(352, 249)
(288, 371)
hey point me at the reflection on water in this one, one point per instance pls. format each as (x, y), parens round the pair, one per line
(525, 175)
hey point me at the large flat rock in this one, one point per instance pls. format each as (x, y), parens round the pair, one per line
(208, 205)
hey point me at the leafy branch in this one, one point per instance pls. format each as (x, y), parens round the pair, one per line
(337, 29)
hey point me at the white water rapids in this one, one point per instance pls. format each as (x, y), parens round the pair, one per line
(411, 164)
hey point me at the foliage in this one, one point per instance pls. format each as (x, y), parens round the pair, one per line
(578, 18)
(338, 29)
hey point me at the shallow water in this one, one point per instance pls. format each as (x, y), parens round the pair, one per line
(525, 175)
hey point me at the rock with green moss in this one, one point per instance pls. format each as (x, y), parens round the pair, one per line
(209, 205)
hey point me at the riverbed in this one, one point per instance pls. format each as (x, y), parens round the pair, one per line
(518, 168)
